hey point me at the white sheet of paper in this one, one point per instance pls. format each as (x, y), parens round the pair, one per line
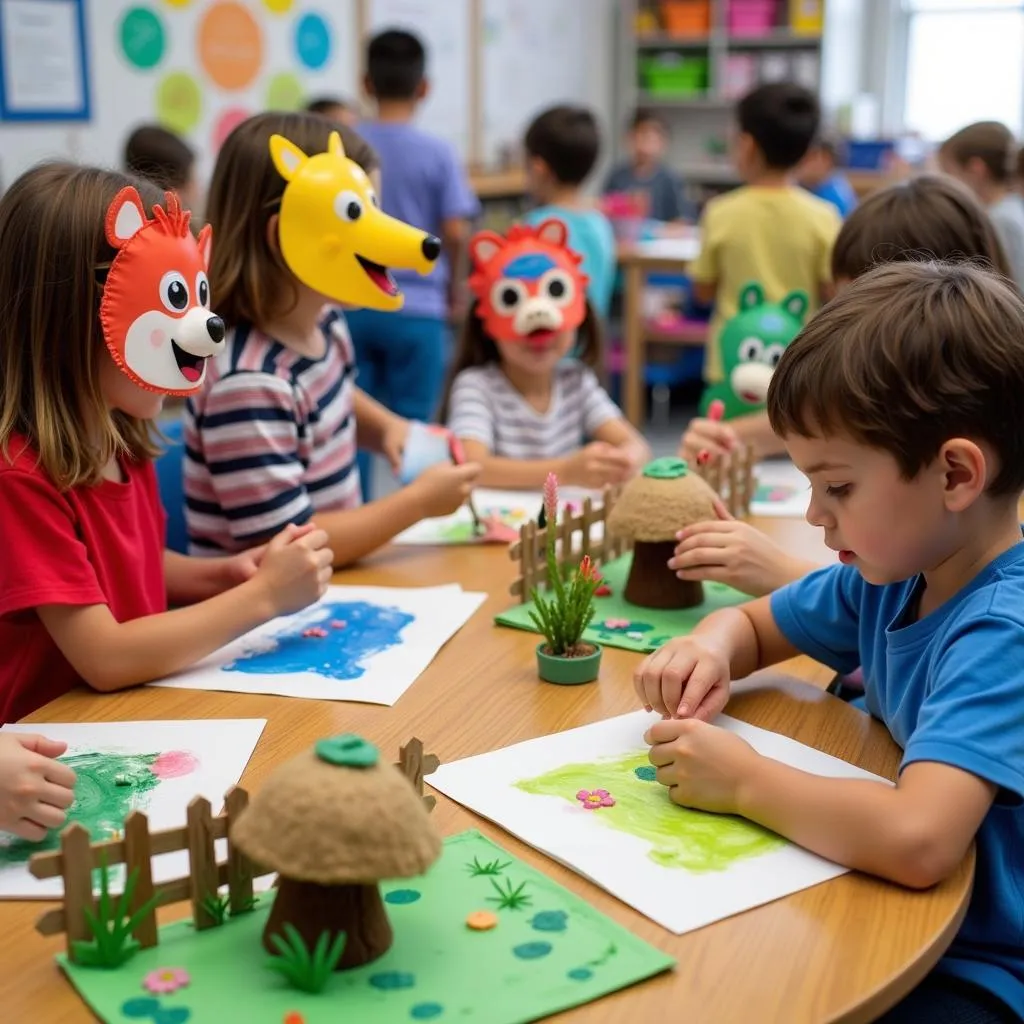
(369, 644)
(620, 862)
(792, 489)
(42, 56)
(201, 757)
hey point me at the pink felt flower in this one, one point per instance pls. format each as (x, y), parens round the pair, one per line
(592, 799)
(616, 623)
(165, 980)
(551, 499)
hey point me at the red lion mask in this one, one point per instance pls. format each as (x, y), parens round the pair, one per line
(155, 309)
(528, 285)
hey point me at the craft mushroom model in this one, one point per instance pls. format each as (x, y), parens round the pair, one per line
(332, 823)
(651, 509)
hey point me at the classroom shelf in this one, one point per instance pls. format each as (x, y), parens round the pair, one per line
(780, 39)
(653, 99)
(663, 41)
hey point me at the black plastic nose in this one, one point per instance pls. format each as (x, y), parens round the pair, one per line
(431, 247)
(215, 328)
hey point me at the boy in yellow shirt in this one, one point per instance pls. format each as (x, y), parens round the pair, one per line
(769, 232)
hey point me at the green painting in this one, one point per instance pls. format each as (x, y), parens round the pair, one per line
(635, 803)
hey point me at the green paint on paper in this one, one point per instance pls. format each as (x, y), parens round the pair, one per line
(680, 838)
(646, 773)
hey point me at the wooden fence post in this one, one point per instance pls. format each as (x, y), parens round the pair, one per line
(138, 857)
(76, 862)
(414, 764)
(203, 875)
(239, 867)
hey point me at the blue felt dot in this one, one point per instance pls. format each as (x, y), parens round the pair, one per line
(313, 41)
(389, 980)
(402, 896)
(549, 921)
(532, 950)
(646, 772)
(140, 1007)
(581, 973)
(172, 1015)
(426, 1011)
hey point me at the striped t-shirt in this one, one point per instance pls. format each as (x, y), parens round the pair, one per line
(485, 407)
(270, 439)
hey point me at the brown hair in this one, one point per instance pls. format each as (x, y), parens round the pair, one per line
(907, 357)
(53, 251)
(249, 280)
(988, 141)
(160, 156)
(930, 217)
(477, 348)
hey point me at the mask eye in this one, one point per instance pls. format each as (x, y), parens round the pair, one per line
(174, 291)
(203, 289)
(558, 286)
(507, 294)
(772, 355)
(751, 350)
(348, 206)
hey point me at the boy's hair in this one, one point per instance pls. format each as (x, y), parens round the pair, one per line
(782, 118)
(326, 104)
(907, 357)
(988, 141)
(53, 257)
(396, 63)
(477, 348)
(159, 156)
(931, 217)
(249, 280)
(647, 115)
(567, 139)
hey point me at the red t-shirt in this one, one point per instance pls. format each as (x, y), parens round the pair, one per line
(91, 545)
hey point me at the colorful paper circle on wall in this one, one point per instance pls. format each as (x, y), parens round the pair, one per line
(179, 102)
(278, 6)
(313, 41)
(177, 3)
(230, 45)
(142, 37)
(227, 121)
(285, 92)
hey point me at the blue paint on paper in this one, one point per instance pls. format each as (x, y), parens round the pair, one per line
(369, 629)
(549, 921)
(532, 950)
(646, 773)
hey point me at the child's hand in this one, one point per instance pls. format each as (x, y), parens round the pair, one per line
(685, 678)
(726, 550)
(712, 436)
(35, 790)
(703, 766)
(443, 488)
(599, 464)
(295, 569)
(242, 567)
(392, 442)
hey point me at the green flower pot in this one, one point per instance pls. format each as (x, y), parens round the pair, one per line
(554, 668)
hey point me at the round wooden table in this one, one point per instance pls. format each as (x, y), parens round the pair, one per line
(841, 951)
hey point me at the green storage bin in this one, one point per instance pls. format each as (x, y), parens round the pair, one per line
(674, 75)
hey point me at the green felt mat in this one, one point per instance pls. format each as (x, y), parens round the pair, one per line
(552, 954)
(650, 627)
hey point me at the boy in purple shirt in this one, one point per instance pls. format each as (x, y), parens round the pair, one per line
(402, 356)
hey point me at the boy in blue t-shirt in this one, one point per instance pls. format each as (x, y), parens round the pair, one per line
(562, 146)
(819, 173)
(901, 401)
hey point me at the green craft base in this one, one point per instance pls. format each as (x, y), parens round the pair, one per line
(654, 626)
(555, 953)
(568, 671)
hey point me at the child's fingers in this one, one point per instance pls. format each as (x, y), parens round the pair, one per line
(30, 830)
(700, 683)
(42, 745)
(59, 774)
(56, 795)
(46, 815)
(647, 680)
(315, 540)
(324, 575)
(721, 511)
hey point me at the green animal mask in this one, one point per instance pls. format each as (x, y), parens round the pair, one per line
(751, 344)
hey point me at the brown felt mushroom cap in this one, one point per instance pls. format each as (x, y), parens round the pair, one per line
(332, 824)
(662, 500)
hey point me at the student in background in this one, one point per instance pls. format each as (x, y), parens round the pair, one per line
(85, 582)
(402, 356)
(819, 173)
(645, 171)
(334, 108)
(983, 157)
(562, 146)
(167, 160)
(769, 231)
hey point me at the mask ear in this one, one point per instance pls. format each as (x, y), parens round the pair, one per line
(334, 146)
(795, 304)
(126, 216)
(553, 232)
(751, 295)
(485, 246)
(287, 157)
(205, 243)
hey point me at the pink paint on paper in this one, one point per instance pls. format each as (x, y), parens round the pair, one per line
(173, 764)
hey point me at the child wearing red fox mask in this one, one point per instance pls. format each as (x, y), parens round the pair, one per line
(107, 310)
(521, 408)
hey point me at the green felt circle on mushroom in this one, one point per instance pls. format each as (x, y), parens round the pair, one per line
(348, 751)
(667, 468)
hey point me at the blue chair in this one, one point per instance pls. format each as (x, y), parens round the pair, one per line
(170, 467)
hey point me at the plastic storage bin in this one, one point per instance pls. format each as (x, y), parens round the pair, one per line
(752, 17)
(673, 75)
(869, 155)
(807, 17)
(686, 17)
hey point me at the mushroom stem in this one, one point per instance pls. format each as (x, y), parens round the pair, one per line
(356, 910)
(652, 584)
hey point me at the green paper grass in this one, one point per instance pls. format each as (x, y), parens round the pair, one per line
(510, 898)
(492, 867)
(217, 907)
(308, 972)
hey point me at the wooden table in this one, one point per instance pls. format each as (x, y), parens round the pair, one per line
(841, 951)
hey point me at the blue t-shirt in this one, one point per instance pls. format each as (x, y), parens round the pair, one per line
(837, 191)
(950, 689)
(422, 183)
(591, 235)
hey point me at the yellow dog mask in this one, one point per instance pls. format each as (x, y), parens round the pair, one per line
(333, 234)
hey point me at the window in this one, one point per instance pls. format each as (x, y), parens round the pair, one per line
(965, 62)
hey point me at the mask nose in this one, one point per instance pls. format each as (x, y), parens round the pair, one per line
(431, 247)
(215, 328)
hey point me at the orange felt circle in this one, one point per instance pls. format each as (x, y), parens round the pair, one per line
(482, 920)
(230, 45)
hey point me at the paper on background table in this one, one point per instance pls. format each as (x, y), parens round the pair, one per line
(744, 869)
(165, 763)
(782, 490)
(370, 644)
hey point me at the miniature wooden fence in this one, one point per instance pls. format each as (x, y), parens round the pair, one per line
(733, 483)
(414, 764)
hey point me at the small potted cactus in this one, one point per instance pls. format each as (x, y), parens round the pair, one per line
(563, 657)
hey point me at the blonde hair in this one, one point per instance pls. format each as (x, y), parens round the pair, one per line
(53, 252)
(249, 280)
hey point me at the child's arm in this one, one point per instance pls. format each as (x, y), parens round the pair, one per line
(626, 438)
(455, 233)
(35, 789)
(189, 580)
(378, 429)
(593, 466)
